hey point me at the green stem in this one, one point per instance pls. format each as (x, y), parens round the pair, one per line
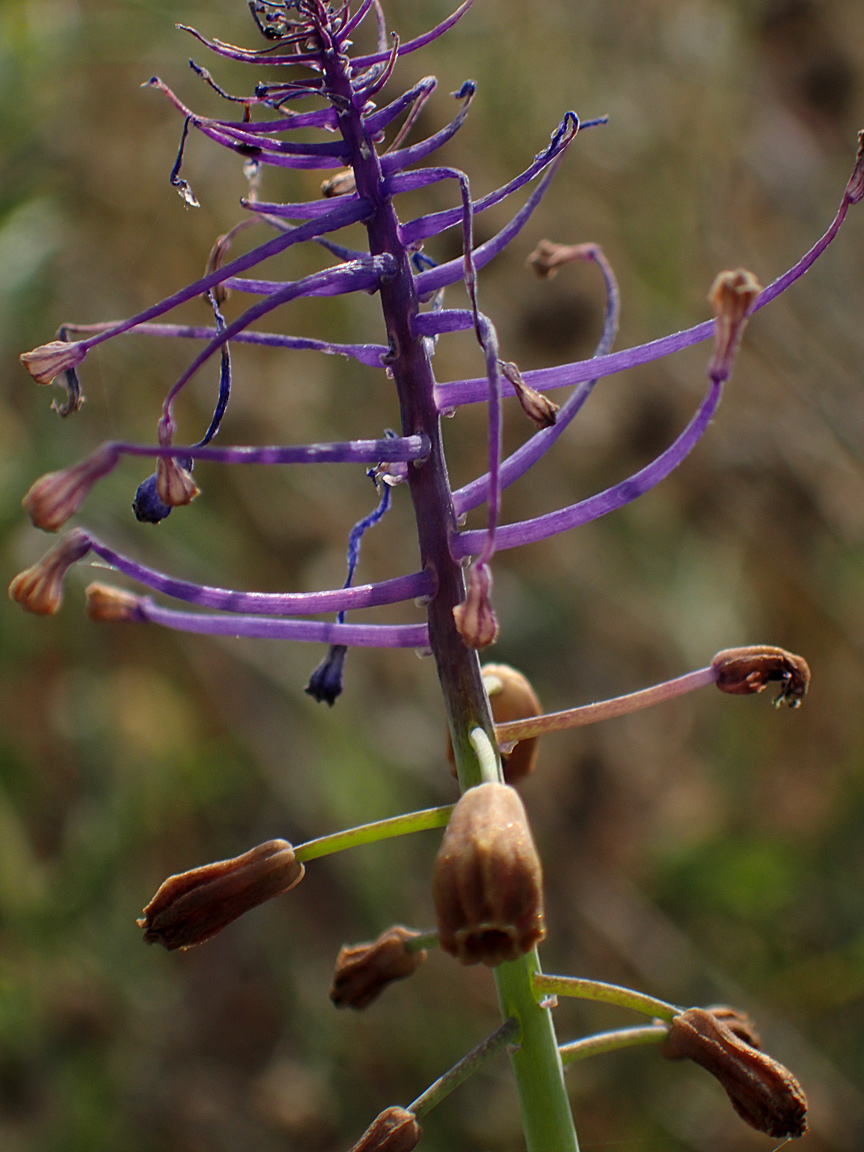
(402, 825)
(605, 993)
(424, 940)
(466, 1067)
(546, 1117)
(611, 1041)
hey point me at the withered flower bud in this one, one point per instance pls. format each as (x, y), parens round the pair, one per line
(475, 619)
(109, 605)
(40, 589)
(56, 496)
(193, 906)
(511, 698)
(742, 671)
(393, 1130)
(487, 883)
(340, 184)
(49, 360)
(363, 971)
(732, 295)
(539, 409)
(174, 485)
(548, 257)
(763, 1092)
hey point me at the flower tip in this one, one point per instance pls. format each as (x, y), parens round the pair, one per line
(39, 589)
(56, 496)
(744, 671)
(511, 697)
(363, 971)
(108, 605)
(475, 618)
(193, 906)
(487, 881)
(393, 1130)
(174, 484)
(540, 410)
(49, 360)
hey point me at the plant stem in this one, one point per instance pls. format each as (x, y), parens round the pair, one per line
(611, 1041)
(546, 1117)
(605, 994)
(402, 825)
(466, 1067)
(604, 709)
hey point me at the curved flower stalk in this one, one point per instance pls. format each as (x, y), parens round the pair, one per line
(496, 859)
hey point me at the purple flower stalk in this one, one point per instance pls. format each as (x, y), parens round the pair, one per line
(312, 38)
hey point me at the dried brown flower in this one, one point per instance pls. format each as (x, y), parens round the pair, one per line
(363, 971)
(763, 1092)
(49, 360)
(742, 671)
(539, 409)
(56, 496)
(174, 485)
(393, 1130)
(732, 295)
(487, 882)
(193, 906)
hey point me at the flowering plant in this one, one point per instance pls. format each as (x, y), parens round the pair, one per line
(487, 882)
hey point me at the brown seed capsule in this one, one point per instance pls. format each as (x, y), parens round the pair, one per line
(487, 883)
(193, 906)
(763, 1092)
(393, 1130)
(39, 589)
(363, 971)
(511, 698)
(742, 671)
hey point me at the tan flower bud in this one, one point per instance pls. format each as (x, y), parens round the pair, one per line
(363, 971)
(174, 485)
(732, 295)
(742, 671)
(193, 906)
(393, 1130)
(539, 409)
(763, 1092)
(475, 618)
(40, 589)
(56, 496)
(511, 698)
(49, 360)
(487, 882)
(109, 605)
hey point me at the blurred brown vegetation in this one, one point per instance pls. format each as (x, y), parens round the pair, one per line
(712, 850)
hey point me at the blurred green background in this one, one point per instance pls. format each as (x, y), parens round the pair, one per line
(711, 850)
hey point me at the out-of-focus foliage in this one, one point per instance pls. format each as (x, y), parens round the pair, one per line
(711, 850)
